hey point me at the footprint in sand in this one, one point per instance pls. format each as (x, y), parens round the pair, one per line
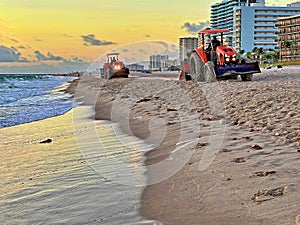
(240, 160)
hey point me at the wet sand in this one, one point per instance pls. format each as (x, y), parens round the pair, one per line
(46, 177)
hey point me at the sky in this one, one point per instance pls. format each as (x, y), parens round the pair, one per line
(54, 36)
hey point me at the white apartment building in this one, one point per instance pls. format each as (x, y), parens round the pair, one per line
(158, 62)
(256, 26)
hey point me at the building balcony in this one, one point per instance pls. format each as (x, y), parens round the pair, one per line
(258, 19)
(265, 30)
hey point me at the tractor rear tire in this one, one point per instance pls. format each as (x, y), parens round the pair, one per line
(247, 77)
(197, 68)
(210, 75)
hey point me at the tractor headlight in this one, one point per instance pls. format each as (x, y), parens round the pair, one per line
(227, 59)
(117, 67)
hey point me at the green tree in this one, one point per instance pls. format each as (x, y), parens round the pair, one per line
(240, 53)
(258, 52)
(275, 55)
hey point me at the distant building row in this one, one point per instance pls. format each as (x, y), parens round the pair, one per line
(161, 62)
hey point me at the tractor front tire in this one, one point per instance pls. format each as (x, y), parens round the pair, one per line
(210, 75)
(107, 73)
(247, 77)
(197, 68)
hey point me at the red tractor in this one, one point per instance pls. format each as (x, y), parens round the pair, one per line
(114, 68)
(213, 60)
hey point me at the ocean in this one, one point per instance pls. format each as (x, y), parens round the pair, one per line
(29, 97)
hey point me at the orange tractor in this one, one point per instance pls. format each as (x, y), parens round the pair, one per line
(213, 60)
(114, 68)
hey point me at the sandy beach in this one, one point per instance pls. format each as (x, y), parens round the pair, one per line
(251, 175)
(220, 153)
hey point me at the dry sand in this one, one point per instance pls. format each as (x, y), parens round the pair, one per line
(254, 174)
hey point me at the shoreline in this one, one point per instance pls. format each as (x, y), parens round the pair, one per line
(50, 182)
(247, 133)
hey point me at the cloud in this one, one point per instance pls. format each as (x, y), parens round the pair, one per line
(67, 35)
(91, 40)
(56, 58)
(37, 39)
(10, 55)
(76, 59)
(14, 40)
(194, 28)
(41, 57)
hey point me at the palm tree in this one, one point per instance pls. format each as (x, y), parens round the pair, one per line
(275, 55)
(258, 52)
(240, 53)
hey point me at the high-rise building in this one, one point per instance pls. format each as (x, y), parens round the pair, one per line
(158, 62)
(256, 25)
(221, 16)
(289, 38)
(186, 46)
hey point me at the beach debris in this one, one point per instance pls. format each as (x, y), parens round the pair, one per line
(298, 150)
(268, 194)
(256, 147)
(226, 150)
(239, 160)
(171, 109)
(240, 138)
(146, 99)
(125, 96)
(262, 123)
(264, 173)
(276, 134)
(203, 144)
(46, 141)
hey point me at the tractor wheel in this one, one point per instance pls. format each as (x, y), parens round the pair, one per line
(107, 73)
(247, 77)
(210, 75)
(197, 68)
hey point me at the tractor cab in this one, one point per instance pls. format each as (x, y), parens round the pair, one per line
(114, 68)
(215, 49)
(112, 57)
